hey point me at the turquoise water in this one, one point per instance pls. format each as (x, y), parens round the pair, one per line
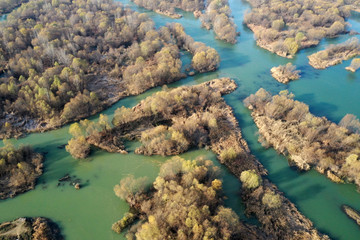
(89, 212)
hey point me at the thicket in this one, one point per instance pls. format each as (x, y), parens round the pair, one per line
(284, 27)
(335, 54)
(168, 7)
(19, 169)
(217, 16)
(184, 202)
(307, 140)
(65, 60)
(354, 65)
(7, 6)
(285, 73)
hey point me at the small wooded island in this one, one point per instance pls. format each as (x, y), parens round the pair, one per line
(308, 141)
(285, 73)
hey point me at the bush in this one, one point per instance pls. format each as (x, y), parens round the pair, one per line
(271, 200)
(250, 179)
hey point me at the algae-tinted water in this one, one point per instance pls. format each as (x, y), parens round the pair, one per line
(88, 213)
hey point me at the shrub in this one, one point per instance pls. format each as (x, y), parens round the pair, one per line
(250, 179)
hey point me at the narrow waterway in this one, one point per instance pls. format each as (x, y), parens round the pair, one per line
(88, 213)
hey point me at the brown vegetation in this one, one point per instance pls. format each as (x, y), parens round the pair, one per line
(19, 169)
(168, 7)
(335, 54)
(285, 73)
(351, 213)
(184, 202)
(30, 228)
(7, 6)
(173, 121)
(217, 16)
(284, 27)
(308, 141)
(65, 60)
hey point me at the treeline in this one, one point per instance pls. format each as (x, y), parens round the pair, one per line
(335, 54)
(308, 141)
(284, 27)
(217, 16)
(168, 7)
(173, 121)
(184, 202)
(19, 169)
(69, 59)
(7, 6)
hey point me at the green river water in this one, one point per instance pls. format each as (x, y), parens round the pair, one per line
(89, 212)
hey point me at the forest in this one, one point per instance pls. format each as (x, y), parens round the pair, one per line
(284, 27)
(184, 202)
(19, 169)
(308, 141)
(214, 14)
(65, 60)
(6, 6)
(176, 120)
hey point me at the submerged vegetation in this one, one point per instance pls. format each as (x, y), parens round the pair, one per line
(19, 169)
(65, 60)
(284, 27)
(308, 141)
(335, 54)
(184, 202)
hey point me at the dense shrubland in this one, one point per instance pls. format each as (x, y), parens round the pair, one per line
(19, 169)
(7, 6)
(335, 54)
(173, 121)
(37, 228)
(69, 59)
(168, 7)
(217, 16)
(285, 73)
(284, 27)
(308, 141)
(184, 202)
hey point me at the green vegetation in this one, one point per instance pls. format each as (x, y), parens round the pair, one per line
(185, 202)
(250, 179)
(7, 6)
(271, 200)
(19, 169)
(335, 54)
(309, 141)
(65, 60)
(218, 17)
(284, 27)
(285, 73)
(30, 228)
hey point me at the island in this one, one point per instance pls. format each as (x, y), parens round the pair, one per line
(285, 27)
(6, 6)
(174, 121)
(354, 65)
(351, 213)
(214, 14)
(335, 54)
(308, 141)
(69, 61)
(285, 73)
(19, 169)
(37, 228)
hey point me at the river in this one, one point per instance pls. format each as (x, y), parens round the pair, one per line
(88, 213)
